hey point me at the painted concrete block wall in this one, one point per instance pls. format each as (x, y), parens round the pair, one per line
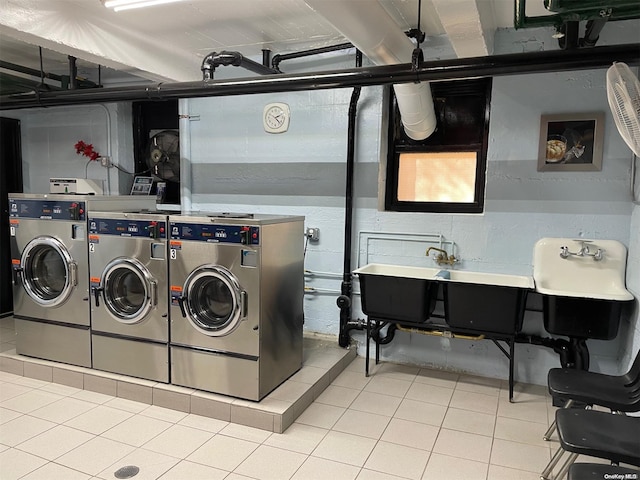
(49, 136)
(238, 167)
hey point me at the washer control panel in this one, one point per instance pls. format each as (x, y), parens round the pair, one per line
(238, 234)
(123, 227)
(47, 209)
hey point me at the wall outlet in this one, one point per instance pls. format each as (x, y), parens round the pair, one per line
(312, 233)
(105, 162)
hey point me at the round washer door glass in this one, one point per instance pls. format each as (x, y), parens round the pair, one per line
(129, 290)
(214, 301)
(48, 271)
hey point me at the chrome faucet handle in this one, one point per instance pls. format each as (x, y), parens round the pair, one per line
(583, 252)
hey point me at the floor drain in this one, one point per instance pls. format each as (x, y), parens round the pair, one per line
(127, 472)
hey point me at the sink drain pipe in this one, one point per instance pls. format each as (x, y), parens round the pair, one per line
(346, 287)
(390, 335)
(559, 345)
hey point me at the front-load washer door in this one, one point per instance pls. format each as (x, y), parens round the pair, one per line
(213, 301)
(49, 273)
(128, 290)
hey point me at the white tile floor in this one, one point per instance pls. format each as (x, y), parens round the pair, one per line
(401, 422)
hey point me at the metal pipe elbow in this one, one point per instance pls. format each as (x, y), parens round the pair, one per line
(215, 59)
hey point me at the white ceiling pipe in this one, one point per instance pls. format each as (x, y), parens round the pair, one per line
(372, 30)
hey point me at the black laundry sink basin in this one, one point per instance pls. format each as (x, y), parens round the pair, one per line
(582, 317)
(398, 293)
(484, 302)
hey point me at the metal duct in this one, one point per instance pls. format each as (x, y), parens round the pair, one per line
(370, 28)
(496, 65)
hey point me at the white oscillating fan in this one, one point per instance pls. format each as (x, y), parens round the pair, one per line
(623, 93)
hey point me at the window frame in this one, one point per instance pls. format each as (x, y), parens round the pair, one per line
(399, 143)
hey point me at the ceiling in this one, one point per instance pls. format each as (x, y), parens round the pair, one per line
(168, 42)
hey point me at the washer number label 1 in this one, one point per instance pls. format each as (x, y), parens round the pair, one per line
(13, 225)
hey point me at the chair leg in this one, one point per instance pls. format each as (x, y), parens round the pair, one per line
(549, 432)
(565, 466)
(552, 427)
(554, 460)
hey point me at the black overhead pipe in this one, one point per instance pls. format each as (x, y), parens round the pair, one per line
(215, 59)
(42, 75)
(275, 61)
(496, 65)
(346, 288)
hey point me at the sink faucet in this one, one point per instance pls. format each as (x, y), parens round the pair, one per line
(582, 252)
(442, 257)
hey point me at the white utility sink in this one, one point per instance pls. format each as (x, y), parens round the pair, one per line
(424, 273)
(583, 276)
(439, 274)
(480, 278)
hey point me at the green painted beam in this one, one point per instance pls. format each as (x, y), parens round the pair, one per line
(573, 11)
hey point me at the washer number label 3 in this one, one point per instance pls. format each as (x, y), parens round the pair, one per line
(174, 246)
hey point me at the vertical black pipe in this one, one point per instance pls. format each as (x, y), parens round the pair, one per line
(592, 32)
(266, 57)
(41, 68)
(347, 286)
(73, 72)
(571, 39)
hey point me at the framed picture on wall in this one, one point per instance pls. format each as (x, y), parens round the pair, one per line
(571, 142)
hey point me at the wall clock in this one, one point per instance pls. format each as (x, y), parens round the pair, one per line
(276, 117)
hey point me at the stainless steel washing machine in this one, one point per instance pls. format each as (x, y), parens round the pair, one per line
(237, 287)
(50, 272)
(128, 275)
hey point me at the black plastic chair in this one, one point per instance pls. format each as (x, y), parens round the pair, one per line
(619, 393)
(597, 471)
(597, 434)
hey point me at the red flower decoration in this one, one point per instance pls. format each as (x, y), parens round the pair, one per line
(87, 150)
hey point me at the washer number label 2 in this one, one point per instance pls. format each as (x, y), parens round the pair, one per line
(93, 240)
(173, 254)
